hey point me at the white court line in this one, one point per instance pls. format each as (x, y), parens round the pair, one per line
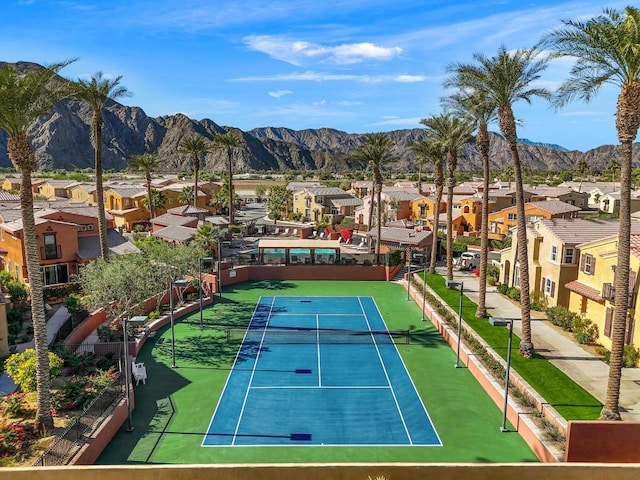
(336, 387)
(318, 349)
(253, 371)
(384, 368)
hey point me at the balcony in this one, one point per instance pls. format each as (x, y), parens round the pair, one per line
(608, 292)
(50, 252)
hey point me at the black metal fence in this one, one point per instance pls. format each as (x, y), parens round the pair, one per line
(69, 441)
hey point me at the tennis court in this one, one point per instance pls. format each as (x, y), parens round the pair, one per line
(319, 371)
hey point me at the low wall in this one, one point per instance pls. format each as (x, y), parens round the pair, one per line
(522, 421)
(330, 471)
(301, 272)
(88, 326)
(98, 441)
(613, 442)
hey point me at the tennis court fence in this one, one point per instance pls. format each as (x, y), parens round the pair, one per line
(285, 336)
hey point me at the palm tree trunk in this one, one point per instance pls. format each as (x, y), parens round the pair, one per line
(23, 158)
(508, 128)
(230, 173)
(482, 141)
(420, 179)
(378, 214)
(152, 207)
(436, 226)
(371, 205)
(627, 123)
(451, 167)
(196, 172)
(102, 222)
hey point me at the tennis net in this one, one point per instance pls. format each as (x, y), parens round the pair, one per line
(310, 336)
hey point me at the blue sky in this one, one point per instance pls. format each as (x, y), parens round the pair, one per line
(354, 65)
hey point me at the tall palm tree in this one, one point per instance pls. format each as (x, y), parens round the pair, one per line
(473, 104)
(376, 151)
(206, 238)
(420, 159)
(450, 132)
(96, 93)
(147, 163)
(433, 153)
(228, 142)
(506, 78)
(156, 199)
(195, 146)
(606, 51)
(24, 99)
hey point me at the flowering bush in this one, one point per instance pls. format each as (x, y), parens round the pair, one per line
(21, 367)
(80, 390)
(12, 436)
(14, 404)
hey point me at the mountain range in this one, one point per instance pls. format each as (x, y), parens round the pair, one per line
(62, 141)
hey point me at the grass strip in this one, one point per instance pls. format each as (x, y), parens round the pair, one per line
(570, 400)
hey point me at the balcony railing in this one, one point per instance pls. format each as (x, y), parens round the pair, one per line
(50, 252)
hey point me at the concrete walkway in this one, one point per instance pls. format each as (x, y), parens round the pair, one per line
(559, 348)
(53, 325)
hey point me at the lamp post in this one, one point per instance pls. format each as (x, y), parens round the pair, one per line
(408, 255)
(503, 322)
(138, 320)
(179, 284)
(208, 261)
(460, 287)
(219, 268)
(424, 288)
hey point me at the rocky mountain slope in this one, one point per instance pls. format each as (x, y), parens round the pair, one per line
(61, 141)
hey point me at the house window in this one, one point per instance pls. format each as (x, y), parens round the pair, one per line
(554, 253)
(334, 211)
(50, 246)
(588, 264)
(170, 201)
(17, 272)
(549, 287)
(55, 274)
(516, 276)
(513, 216)
(568, 255)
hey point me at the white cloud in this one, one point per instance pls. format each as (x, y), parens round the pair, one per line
(280, 93)
(396, 121)
(298, 52)
(307, 76)
(410, 78)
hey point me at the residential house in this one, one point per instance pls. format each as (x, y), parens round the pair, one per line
(466, 213)
(125, 203)
(552, 245)
(169, 219)
(391, 238)
(83, 192)
(501, 221)
(67, 238)
(172, 192)
(52, 189)
(610, 203)
(396, 205)
(316, 203)
(13, 184)
(592, 293)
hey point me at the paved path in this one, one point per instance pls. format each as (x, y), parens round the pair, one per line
(560, 348)
(53, 325)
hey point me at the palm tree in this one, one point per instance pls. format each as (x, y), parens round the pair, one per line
(194, 146)
(450, 133)
(481, 113)
(420, 159)
(376, 151)
(156, 199)
(24, 99)
(433, 153)
(606, 51)
(186, 195)
(505, 79)
(96, 93)
(147, 163)
(206, 238)
(228, 142)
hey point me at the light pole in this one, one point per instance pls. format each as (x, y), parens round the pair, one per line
(138, 320)
(460, 285)
(209, 262)
(424, 288)
(179, 284)
(219, 268)
(408, 249)
(503, 322)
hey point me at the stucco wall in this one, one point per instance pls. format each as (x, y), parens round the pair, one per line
(603, 442)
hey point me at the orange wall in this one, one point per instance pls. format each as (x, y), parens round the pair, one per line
(610, 442)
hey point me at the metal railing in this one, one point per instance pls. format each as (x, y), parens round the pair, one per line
(51, 252)
(69, 441)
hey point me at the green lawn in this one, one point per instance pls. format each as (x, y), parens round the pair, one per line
(174, 408)
(570, 400)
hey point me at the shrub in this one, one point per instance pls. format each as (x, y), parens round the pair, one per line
(5, 278)
(17, 291)
(154, 315)
(21, 367)
(538, 301)
(584, 330)
(12, 437)
(561, 317)
(493, 271)
(395, 257)
(502, 288)
(630, 356)
(14, 403)
(513, 293)
(491, 281)
(108, 333)
(73, 303)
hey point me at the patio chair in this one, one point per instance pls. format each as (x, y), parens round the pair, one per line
(139, 373)
(321, 237)
(286, 232)
(314, 234)
(276, 231)
(294, 233)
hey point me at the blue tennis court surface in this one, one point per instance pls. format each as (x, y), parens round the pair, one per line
(319, 371)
